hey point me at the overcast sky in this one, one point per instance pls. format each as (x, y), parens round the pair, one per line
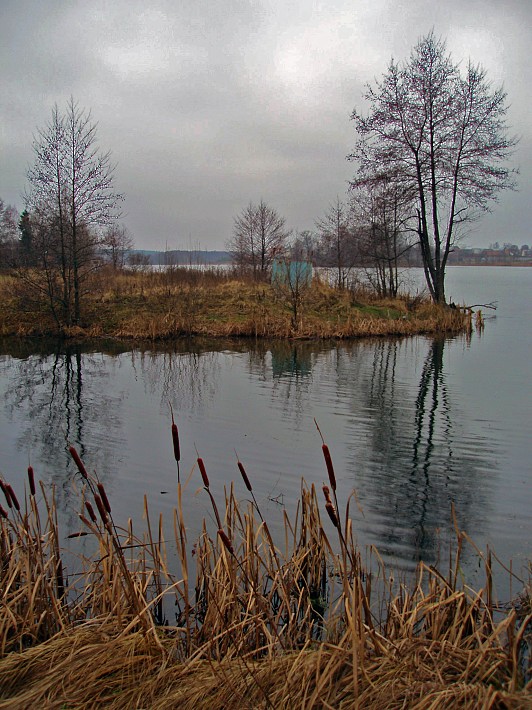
(208, 104)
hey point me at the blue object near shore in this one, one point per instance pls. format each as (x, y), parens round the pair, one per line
(293, 273)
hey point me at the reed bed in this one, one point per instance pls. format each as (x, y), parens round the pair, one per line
(299, 622)
(162, 306)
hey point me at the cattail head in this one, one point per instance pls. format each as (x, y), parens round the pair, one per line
(103, 495)
(13, 496)
(78, 462)
(203, 472)
(31, 480)
(329, 464)
(327, 494)
(329, 507)
(3, 513)
(101, 508)
(5, 491)
(175, 440)
(226, 541)
(244, 475)
(90, 511)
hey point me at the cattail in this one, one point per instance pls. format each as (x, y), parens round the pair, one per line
(203, 472)
(104, 498)
(175, 439)
(327, 494)
(31, 480)
(78, 462)
(90, 511)
(226, 541)
(13, 496)
(3, 513)
(101, 507)
(5, 491)
(244, 475)
(329, 507)
(329, 463)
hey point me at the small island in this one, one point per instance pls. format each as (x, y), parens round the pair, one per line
(177, 302)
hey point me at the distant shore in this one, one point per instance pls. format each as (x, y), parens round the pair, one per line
(474, 256)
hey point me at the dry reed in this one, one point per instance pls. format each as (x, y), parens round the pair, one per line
(164, 306)
(306, 627)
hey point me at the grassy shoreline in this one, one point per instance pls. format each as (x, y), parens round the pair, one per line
(304, 624)
(162, 306)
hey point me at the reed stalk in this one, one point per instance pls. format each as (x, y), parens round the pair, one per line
(312, 626)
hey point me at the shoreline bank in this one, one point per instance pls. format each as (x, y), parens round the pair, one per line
(155, 307)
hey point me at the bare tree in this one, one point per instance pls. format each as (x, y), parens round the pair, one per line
(337, 246)
(71, 194)
(139, 261)
(243, 244)
(116, 244)
(444, 134)
(292, 279)
(259, 235)
(272, 235)
(26, 251)
(379, 212)
(306, 246)
(8, 234)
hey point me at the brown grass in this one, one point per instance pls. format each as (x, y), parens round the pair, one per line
(159, 306)
(257, 626)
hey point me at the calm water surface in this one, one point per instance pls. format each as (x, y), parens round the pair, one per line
(412, 424)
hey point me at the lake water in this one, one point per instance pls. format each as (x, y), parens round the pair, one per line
(412, 424)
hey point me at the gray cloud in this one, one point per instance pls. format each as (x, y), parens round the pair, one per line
(206, 105)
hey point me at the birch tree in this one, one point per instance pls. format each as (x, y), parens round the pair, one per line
(259, 235)
(71, 194)
(378, 212)
(337, 246)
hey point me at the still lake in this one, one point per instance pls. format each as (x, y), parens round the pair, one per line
(412, 424)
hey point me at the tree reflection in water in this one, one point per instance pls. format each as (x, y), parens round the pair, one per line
(398, 431)
(416, 463)
(431, 408)
(291, 370)
(70, 394)
(185, 376)
(61, 394)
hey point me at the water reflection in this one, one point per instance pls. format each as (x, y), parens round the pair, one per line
(417, 460)
(184, 379)
(432, 408)
(291, 365)
(397, 427)
(286, 368)
(292, 359)
(60, 398)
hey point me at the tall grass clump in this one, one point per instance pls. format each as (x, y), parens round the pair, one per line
(239, 619)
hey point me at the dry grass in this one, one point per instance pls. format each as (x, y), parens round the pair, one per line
(158, 306)
(257, 626)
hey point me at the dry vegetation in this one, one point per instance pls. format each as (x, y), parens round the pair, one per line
(302, 624)
(164, 305)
